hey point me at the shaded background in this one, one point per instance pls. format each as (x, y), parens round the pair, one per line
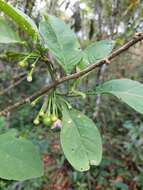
(120, 126)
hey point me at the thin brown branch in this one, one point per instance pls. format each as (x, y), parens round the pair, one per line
(18, 79)
(45, 89)
(6, 90)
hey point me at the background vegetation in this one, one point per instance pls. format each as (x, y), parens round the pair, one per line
(120, 126)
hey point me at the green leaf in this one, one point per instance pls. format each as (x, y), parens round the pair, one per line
(24, 21)
(121, 186)
(129, 91)
(80, 140)
(19, 158)
(7, 35)
(61, 41)
(97, 51)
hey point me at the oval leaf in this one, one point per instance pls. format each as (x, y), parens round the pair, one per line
(61, 41)
(80, 140)
(97, 51)
(7, 35)
(24, 21)
(129, 91)
(19, 158)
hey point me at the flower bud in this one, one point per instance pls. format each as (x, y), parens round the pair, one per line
(47, 121)
(41, 113)
(53, 118)
(23, 64)
(36, 121)
(29, 78)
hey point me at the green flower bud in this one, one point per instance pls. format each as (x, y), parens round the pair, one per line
(36, 121)
(53, 118)
(29, 78)
(23, 64)
(47, 121)
(41, 113)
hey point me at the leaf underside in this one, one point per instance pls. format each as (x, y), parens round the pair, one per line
(128, 91)
(80, 140)
(61, 41)
(19, 158)
(97, 51)
(7, 34)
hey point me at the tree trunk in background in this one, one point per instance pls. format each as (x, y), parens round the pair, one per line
(29, 6)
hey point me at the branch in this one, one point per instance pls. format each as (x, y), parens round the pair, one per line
(6, 90)
(19, 79)
(137, 38)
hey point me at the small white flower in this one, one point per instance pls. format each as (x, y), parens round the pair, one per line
(57, 124)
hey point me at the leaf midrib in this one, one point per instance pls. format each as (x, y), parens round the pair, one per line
(82, 141)
(58, 41)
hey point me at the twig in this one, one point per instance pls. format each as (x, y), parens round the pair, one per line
(17, 80)
(45, 89)
(6, 90)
